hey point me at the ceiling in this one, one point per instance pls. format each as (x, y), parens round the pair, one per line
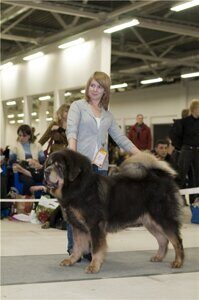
(164, 44)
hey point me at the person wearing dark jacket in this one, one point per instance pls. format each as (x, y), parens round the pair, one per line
(186, 137)
(140, 134)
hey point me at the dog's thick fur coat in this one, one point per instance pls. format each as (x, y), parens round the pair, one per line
(143, 191)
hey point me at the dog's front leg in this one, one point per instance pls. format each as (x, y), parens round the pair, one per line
(99, 246)
(81, 245)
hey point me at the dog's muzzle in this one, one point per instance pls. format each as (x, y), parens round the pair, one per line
(52, 178)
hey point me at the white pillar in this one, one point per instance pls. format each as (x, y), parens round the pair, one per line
(59, 99)
(42, 126)
(106, 54)
(27, 109)
(2, 125)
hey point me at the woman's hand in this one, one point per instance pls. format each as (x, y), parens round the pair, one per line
(34, 163)
(54, 127)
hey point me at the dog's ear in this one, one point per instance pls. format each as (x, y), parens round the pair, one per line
(74, 172)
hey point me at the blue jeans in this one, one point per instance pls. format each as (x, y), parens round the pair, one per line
(69, 227)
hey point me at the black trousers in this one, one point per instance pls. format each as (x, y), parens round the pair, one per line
(188, 167)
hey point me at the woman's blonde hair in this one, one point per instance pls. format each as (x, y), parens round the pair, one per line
(193, 105)
(104, 80)
(59, 113)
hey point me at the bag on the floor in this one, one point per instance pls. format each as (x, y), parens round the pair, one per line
(195, 214)
(45, 208)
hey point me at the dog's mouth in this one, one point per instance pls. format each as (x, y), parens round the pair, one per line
(53, 180)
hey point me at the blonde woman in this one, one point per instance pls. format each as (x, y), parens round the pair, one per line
(88, 124)
(56, 131)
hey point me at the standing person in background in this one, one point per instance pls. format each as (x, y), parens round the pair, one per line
(186, 136)
(88, 125)
(140, 134)
(56, 131)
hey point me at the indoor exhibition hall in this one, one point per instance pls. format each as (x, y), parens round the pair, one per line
(99, 121)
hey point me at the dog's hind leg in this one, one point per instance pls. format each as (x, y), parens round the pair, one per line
(99, 246)
(157, 231)
(176, 241)
(81, 245)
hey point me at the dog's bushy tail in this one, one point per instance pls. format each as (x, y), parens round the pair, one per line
(138, 165)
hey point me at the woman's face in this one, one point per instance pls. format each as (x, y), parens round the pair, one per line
(95, 91)
(64, 115)
(23, 137)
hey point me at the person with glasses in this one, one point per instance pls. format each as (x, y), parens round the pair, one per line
(27, 158)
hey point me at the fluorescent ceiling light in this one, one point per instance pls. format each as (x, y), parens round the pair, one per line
(72, 43)
(6, 66)
(33, 56)
(11, 103)
(67, 94)
(48, 97)
(49, 119)
(189, 75)
(20, 115)
(34, 113)
(47, 112)
(36, 120)
(122, 26)
(118, 86)
(19, 121)
(10, 116)
(153, 80)
(12, 122)
(185, 5)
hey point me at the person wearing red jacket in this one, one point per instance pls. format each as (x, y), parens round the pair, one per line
(140, 134)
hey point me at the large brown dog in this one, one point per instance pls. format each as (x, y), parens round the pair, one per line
(143, 190)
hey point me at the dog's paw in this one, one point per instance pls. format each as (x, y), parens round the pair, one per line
(156, 259)
(91, 269)
(176, 264)
(66, 262)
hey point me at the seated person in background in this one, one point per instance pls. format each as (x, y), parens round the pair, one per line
(161, 150)
(27, 158)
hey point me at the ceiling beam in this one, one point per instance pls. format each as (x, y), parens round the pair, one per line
(128, 8)
(168, 27)
(17, 21)
(144, 68)
(66, 10)
(12, 13)
(154, 59)
(18, 38)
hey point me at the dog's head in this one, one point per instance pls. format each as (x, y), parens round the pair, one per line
(63, 168)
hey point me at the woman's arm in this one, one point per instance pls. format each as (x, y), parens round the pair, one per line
(47, 134)
(18, 168)
(72, 144)
(121, 140)
(73, 120)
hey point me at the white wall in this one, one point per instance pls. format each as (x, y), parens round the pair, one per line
(54, 72)
(158, 104)
(61, 69)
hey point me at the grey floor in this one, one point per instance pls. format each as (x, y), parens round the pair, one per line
(24, 239)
